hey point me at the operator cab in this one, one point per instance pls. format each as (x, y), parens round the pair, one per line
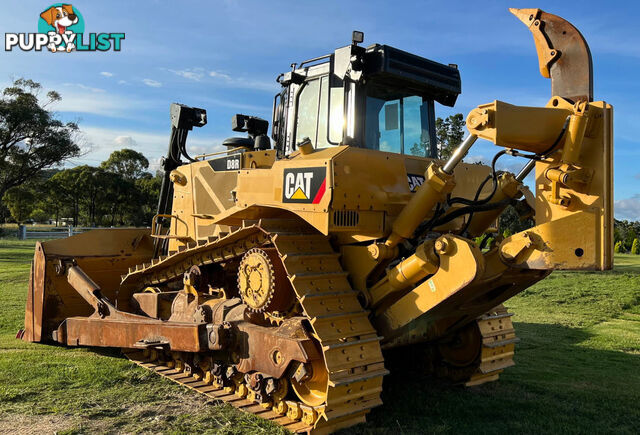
(378, 97)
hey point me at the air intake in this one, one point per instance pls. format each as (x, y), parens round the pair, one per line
(345, 218)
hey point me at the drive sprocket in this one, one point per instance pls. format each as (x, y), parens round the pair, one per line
(263, 283)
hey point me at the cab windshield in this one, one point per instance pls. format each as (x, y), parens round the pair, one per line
(397, 124)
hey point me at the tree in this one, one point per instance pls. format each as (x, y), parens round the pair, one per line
(617, 248)
(419, 149)
(128, 163)
(70, 190)
(149, 187)
(616, 232)
(511, 222)
(635, 247)
(449, 134)
(4, 213)
(39, 215)
(53, 198)
(625, 232)
(95, 184)
(629, 238)
(20, 202)
(31, 138)
(92, 196)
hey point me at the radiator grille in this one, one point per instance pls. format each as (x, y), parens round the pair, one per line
(345, 218)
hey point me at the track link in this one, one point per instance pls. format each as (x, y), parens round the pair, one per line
(349, 342)
(498, 346)
(216, 392)
(495, 349)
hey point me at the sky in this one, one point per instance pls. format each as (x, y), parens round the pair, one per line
(224, 56)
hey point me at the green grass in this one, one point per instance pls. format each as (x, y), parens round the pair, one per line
(578, 371)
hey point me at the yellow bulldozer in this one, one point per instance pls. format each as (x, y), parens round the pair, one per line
(277, 273)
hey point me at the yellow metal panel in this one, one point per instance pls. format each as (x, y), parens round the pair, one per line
(525, 128)
(590, 205)
(183, 224)
(259, 159)
(458, 268)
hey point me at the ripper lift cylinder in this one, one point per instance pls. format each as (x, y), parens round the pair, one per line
(438, 183)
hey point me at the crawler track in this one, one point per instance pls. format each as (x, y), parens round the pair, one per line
(498, 346)
(494, 343)
(350, 345)
(186, 379)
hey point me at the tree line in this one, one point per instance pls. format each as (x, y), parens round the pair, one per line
(33, 141)
(119, 192)
(625, 236)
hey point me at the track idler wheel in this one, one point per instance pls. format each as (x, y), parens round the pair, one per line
(463, 348)
(310, 381)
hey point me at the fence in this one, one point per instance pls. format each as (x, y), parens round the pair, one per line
(53, 233)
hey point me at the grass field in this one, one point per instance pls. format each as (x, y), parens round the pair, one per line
(578, 371)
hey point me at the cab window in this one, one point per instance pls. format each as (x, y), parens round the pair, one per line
(312, 113)
(397, 125)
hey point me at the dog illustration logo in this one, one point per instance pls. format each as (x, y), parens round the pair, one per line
(61, 30)
(64, 20)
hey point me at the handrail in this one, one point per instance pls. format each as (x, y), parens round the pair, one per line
(218, 153)
(154, 226)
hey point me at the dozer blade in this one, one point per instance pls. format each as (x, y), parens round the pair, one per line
(563, 54)
(103, 254)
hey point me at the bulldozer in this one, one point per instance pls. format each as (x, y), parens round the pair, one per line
(277, 273)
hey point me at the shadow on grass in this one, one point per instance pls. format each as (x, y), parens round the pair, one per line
(627, 263)
(556, 386)
(19, 396)
(15, 252)
(112, 352)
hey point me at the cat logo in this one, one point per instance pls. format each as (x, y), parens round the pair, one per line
(304, 185)
(415, 181)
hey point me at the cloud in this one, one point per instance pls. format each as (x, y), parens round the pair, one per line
(243, 82)
(505, 163)
(106, 74)
(236, 105)
(125, 141)
(198, 74)
(628, 208)
(195, 74)
(220, 75)
(477, 159)
(513, 165)
(84, 87)
(84, 99)
(122, 82)
(152, 83)
(101, 142)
